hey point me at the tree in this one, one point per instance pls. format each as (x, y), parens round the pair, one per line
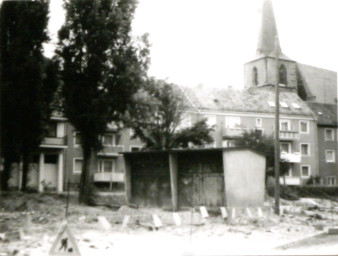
(265, 144)
(156, 115)
(101, 68)
(28, 81)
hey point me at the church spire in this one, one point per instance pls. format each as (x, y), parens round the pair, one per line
(268, 30)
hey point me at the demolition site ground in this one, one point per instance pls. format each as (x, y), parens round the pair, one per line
(29, 225)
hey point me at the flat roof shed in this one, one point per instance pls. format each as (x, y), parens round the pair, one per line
(231, 177)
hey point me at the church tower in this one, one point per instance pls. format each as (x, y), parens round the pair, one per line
(260, 71)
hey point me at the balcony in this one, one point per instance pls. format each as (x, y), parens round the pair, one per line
(291, 157)
(54, 142)
(290, 180)
(288, 135)
(109, 177)
(111, 150)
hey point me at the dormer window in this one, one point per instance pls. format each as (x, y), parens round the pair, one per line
(282, 75)
(255, 76)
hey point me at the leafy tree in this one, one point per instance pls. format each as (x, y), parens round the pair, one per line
(28, 81)
(265, 144)
(156, 115)
(101, 67)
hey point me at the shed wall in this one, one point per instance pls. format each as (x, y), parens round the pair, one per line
(244, 178)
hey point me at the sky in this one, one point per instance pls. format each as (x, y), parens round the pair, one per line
(196, 42)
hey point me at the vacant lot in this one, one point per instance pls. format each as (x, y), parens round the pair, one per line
(29, 224)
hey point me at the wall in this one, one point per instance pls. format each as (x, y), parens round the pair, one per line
(244, 173)
(327, 169)
(266, 72)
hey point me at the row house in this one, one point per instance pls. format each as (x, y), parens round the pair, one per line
(327, 139)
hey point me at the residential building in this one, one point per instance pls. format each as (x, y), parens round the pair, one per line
(327, 137)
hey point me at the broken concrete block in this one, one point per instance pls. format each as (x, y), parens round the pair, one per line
(104, 223)
(157, 221)
(224, 213)
(125, 221)
(204, 212)
(177, 219)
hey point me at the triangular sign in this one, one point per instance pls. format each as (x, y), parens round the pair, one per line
(65, 243)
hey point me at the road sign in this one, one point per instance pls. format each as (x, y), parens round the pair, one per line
(65, 243)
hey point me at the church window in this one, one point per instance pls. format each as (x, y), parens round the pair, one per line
(282, 75)
(255, 76)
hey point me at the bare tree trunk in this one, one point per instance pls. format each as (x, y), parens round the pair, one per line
(87, 175)
(25, 170)
(5, 174)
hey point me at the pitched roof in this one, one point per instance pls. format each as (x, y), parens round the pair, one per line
(325, 113)
(319, 82)
(268, 30)
(252, 100)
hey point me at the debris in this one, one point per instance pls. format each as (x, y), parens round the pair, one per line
(224, 213)
(104, 223)
(157, 221)
(204, 212)
(333, 231)
(177, 219)
(125, 221)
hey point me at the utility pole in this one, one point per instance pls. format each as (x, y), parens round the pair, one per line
(277, 149)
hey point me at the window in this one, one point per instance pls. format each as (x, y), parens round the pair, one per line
(329, 135)
(295, 105)
(108, 139)
(284, 105)
(284, 125)
(330, 156)
(51, 130)
(77, 165)
(271, 104)
(106, 165)
(305, 171)
(282, 75)
(285, 147)
(258, 122)
(211, 120)
(135, 148)
(232, 122)
(305, 149)
(255, 76)
(303, 126)
(131, 132)
(331, 180)
(77, 139)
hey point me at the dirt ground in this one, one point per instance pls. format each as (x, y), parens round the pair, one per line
(29, 224)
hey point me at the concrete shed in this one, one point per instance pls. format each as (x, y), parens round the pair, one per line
(232, 177)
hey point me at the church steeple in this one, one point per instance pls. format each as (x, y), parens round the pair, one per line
(261, 70)
(268, 30)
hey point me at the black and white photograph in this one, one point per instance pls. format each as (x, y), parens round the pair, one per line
(168, 127)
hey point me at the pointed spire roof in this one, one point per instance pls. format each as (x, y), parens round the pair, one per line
(268, 33)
